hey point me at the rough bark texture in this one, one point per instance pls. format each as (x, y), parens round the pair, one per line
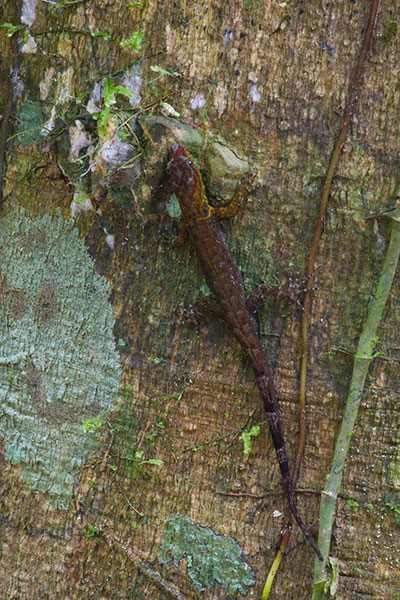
(271, 80)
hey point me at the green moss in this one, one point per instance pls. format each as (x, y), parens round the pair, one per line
(211, 558)
(58, 362)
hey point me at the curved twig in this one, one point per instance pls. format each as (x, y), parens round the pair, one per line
(354, 95)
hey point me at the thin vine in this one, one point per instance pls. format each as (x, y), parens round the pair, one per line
(310, 269)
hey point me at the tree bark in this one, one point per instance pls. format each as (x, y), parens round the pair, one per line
(123, 469)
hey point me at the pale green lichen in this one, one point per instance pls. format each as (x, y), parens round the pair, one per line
(211, 558)
(58, 363)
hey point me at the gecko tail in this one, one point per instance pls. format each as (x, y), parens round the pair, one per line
(299, 520)
(271, 407)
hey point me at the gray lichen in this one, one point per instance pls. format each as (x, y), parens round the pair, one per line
(58, 361)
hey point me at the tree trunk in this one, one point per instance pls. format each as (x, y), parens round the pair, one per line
(126, 470)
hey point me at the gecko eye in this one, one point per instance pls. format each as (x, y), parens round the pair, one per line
(189, 162)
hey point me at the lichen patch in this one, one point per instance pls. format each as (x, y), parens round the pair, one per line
(58, 361)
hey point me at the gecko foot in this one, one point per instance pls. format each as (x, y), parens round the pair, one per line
(193, 316)
(297, 286)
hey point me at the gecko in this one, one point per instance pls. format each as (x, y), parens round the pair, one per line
(229, 300)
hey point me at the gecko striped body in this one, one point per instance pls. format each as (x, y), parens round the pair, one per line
(225, 282)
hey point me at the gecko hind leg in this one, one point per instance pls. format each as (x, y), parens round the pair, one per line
(229, 210)
(206, 308)
(296, 287)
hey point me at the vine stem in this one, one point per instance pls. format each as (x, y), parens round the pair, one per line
(169, 589)
(349, 112)
(362, 361)
(310, 269)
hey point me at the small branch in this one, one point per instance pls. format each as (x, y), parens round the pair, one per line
(244, 494)
(171, 590)
(126, 498)
(267, 494)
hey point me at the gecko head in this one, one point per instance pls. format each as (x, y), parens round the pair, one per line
(184, 174)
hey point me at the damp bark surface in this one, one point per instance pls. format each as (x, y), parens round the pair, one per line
(121, 423)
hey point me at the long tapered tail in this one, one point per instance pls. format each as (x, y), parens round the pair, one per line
(265, 384)
(293, 507)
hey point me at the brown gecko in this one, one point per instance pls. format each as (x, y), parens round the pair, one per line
(225, 281)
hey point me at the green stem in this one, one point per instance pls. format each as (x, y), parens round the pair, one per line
(275, 566)
(362, 360)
